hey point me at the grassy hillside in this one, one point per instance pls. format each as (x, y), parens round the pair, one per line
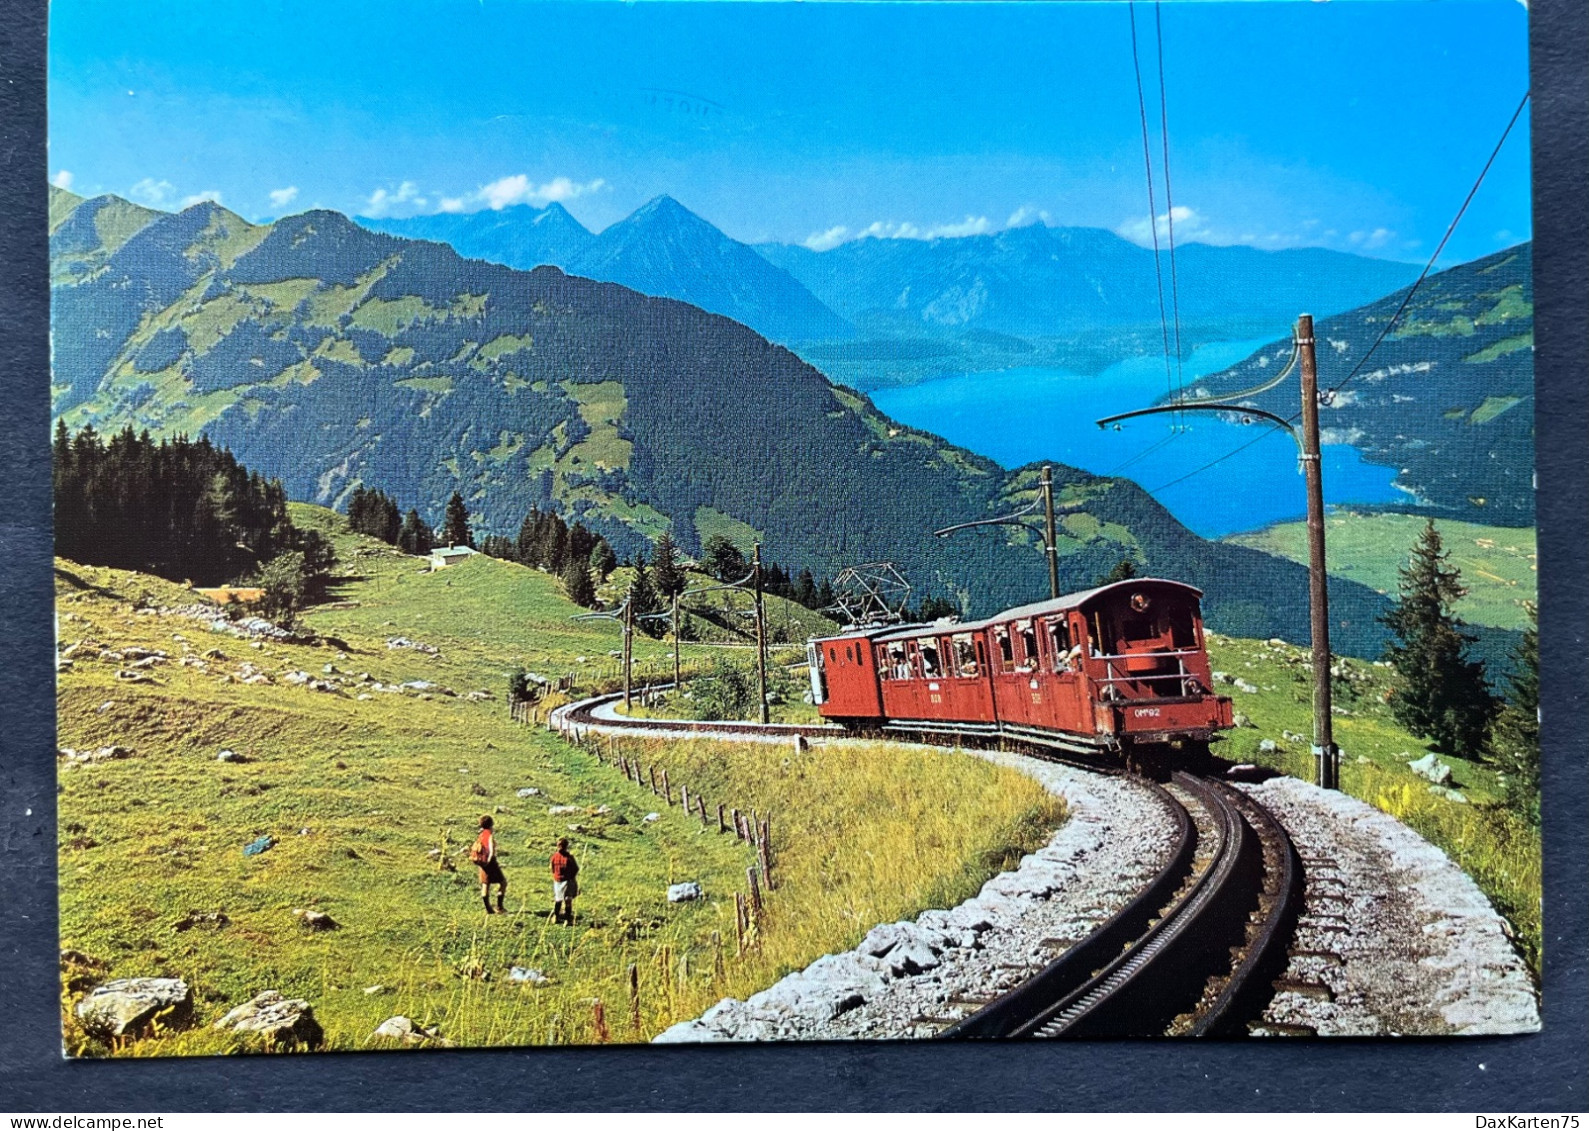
(371, 791)
(1499, 564)
(1499, 850)
(1447, 398)
(331, 356)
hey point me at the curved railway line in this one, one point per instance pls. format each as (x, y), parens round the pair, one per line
(1194, 953)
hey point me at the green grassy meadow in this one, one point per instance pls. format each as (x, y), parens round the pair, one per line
(371, 793)
(1499, 564)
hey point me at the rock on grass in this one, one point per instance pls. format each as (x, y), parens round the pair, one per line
(274, 1022)
(129, 1006)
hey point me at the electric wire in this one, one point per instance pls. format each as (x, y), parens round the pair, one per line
(1169, 198)
(1450, 228)
(1153, 207)
(1385, 330)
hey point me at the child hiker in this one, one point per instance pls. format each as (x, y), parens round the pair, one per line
(484, 856)
(564, 885)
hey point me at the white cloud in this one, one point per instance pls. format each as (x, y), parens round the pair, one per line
(383, 202)
(822, 241)
(199, 197)
(1024, 215)
(970, 226)
(1186, 222)
(450, 204)
(280, 198)
(1368, 241)
(62, 180)
(888, 230)
(152, 192)
(519, 189)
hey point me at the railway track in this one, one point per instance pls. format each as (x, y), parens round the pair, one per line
(1193, 954)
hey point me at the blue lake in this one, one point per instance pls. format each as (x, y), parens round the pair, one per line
(1018, 416)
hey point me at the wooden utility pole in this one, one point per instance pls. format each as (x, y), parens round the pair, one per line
(676, 683)
(1051, 548)
(1326, 756)
(628, 648)
(761, 634)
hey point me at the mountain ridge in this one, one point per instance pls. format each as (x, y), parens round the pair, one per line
(1446, 398)
(331, 356)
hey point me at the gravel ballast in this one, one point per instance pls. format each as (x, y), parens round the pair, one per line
(1394, 938)
(912, 979)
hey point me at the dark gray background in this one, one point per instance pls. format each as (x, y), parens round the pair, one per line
(1521, 1074)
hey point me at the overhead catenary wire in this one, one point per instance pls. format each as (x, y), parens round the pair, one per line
(1385, 330)
(1169, 196)
(1450, 228)
(1153, 207)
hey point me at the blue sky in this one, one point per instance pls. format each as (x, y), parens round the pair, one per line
(1353, 124)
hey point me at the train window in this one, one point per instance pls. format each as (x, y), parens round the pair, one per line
(1006, 649)
(833, 654)
(1183, 630)
(965, 655)
(898, 664)
(1028, 645)
(929, 659)
(1059, 645)
(849, 653)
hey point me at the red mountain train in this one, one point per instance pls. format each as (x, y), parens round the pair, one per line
(1121, 669)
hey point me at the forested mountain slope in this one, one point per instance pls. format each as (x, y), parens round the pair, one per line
(330, 356)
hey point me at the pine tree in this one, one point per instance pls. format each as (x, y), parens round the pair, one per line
(666, 573)
(455, 524)
(577, 583)
(643, 599)
(415, 537)
(1442, 694)
(1124, 570)
(805, 589)
(1514, 740)
(723, 560)
(602, 560)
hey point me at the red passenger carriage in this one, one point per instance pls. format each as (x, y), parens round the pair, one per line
(1121, 668)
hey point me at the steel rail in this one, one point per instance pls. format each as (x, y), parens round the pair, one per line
(1149, 962)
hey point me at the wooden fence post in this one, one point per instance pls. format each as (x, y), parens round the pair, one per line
(739, 828)
(717, 955)
(684, 797)
(740, 917)
(599, 1019)
(634, 997)
(702, 801)
(722, 825)
(653, 771)
(667, 789)
(755, 888)
(766, 856)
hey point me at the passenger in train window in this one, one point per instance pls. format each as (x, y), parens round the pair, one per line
(966, 656)
(1028, 646)
(929, 661)
(1006, 649)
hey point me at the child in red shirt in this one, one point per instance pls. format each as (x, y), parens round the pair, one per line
(564, 884)
(484, 856)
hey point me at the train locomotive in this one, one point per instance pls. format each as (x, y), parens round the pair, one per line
(1120, 670)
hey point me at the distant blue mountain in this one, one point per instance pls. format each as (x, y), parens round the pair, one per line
(661, 249)
(1037, 281)
(520, 236)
